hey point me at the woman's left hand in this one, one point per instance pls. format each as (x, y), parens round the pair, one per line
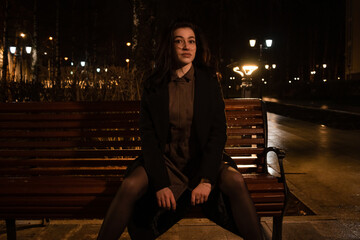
(200, 194)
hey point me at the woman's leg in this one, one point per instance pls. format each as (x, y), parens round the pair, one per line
(232, 184)
(132, 188)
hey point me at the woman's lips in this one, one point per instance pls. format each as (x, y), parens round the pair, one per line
(186, 54)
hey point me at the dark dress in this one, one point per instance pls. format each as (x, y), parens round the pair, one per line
(177, 155)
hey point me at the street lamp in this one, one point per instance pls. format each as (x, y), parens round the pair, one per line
(12, 50)
(28, 49)
(82, 63)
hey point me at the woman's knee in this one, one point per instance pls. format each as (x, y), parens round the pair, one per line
(233, 182)
(134, 185)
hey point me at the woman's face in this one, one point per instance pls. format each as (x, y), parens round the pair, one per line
(184, 45)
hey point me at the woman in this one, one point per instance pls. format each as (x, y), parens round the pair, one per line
(183, 132)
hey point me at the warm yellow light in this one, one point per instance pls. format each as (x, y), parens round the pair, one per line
(252, 42)
(66, 58)
(274, 66)
(267, 66)
(51, 38)
(324, 65)
(237, 70)
(249, 69)
(127, 60)
(128, 44)
(23, 35)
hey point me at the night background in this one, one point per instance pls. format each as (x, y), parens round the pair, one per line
(306, 35)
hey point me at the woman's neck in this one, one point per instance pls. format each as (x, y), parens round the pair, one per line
(180, 72)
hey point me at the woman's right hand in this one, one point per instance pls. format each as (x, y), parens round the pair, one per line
(166, 199)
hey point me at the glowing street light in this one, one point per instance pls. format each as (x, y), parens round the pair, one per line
(23, 35)
(28, 49)
(268, 42)
(249, 69)
(12, 49)
(252, 42)
(237, 70)
(82, 63)
(128, 44)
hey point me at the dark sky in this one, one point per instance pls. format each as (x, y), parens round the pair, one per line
(314, 27)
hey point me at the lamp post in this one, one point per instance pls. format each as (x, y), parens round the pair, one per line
(20, 50)
(268, 44)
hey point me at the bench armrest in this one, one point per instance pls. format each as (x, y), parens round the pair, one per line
(280, 153)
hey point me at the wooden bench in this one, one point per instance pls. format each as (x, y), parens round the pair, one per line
(67, 160)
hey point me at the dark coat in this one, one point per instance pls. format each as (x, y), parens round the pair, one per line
(208, 135)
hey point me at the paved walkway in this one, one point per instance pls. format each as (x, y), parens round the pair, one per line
(322, 167)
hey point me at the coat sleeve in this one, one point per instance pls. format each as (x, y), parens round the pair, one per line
(215, 144)
(154, 161)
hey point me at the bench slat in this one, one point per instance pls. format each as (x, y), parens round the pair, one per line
(103, 124)
(71, 133)
(66, 117)
(70, 144)
(70, 153)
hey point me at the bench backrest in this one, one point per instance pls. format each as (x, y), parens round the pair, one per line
(101, 138)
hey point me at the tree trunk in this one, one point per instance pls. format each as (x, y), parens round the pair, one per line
(5, 54)
(143, 39)
(35, 60)
(57, 54)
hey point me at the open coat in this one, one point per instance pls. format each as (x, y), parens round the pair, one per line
(208, 134)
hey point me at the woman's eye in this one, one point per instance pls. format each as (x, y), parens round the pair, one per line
(192, 41)
(178, 41)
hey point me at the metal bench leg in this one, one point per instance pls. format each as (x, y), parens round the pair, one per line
(10, 229)
(277, 228)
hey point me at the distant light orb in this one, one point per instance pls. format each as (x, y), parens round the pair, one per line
(82, 63)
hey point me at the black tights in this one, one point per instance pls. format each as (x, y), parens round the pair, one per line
(232, 184)
(132, 188)
(135, 185)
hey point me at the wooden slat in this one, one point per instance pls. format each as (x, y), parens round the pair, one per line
(242, 141)
(68, 124)
(70, 133)
(243, 114)
(70, 116)
(234, 131)
(72, 162)
(69, 144)
(69, 153)
(56, 171)
(70, 106)
(245, 122)
(243, 151)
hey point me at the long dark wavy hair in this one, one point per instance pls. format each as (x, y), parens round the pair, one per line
(165, 60)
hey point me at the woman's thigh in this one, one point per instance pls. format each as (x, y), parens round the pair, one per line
(136, 183)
